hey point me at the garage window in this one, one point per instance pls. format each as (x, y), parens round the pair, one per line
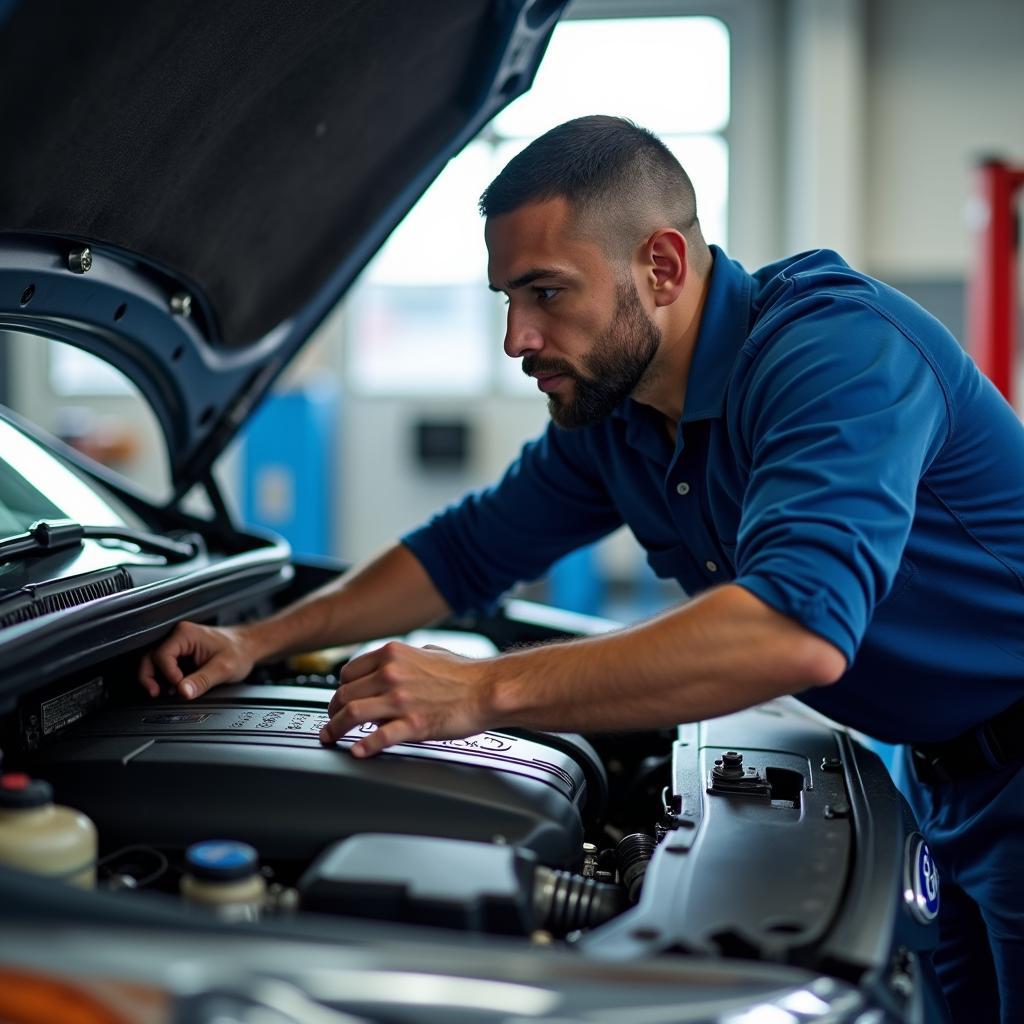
(421, 319)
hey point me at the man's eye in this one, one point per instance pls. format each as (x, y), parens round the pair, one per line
(546, 294)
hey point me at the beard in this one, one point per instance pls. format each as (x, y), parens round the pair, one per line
(612, 369)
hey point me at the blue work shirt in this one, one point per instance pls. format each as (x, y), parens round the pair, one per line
(839, 455)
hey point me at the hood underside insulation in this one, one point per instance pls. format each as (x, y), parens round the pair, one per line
(246, 146)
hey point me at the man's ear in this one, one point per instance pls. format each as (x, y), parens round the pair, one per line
(664, 253)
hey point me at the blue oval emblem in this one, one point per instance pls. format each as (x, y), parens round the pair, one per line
(921, 880)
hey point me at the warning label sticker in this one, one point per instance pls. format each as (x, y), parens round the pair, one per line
(71, 706)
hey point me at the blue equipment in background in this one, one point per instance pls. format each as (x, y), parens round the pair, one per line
(288, 468)
(576, 584)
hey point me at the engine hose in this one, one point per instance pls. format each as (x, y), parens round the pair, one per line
(633, 854)
(564, 902)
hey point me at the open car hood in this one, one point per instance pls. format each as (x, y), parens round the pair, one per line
(230, 169)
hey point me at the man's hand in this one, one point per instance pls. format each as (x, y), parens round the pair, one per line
(412, 693)
(220, 655)
(720, 652)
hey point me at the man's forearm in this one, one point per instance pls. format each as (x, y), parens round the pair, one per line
(391, 594)
(721, 652)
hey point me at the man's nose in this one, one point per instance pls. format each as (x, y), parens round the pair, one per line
(521, 336)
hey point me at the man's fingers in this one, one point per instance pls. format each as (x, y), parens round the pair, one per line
(147, 676)
(361, 666)
(217, 670)
(166, 659)
(210, 655)
(369, 662)
(337, 702)
(354, 677)
(367, 686)
(398, 730)
(373, 709)
(194, 685)
(412, 696)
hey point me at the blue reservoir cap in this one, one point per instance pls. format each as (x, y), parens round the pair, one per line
(221, 860)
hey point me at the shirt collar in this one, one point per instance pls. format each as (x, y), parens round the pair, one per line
(724, 325)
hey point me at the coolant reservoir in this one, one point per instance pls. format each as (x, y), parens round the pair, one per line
(43, 837)
(223, 875)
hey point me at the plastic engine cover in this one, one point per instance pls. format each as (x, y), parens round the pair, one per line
(245, 763)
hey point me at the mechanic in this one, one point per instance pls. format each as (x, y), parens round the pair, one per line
(810, 454)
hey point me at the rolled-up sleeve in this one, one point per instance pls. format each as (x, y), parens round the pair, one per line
(551, 500)
(840, 415)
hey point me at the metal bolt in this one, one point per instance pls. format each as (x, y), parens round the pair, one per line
(181, 304)
(80, 260)
(729, 766)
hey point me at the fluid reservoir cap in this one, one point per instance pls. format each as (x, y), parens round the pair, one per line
(17, 790)
(221, 860)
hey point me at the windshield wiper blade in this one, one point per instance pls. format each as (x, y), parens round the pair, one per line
(42, 536)
(46, 535)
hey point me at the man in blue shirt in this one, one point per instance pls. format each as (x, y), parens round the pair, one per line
(813, 458)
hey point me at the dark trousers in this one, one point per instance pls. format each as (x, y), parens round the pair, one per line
(975, 830)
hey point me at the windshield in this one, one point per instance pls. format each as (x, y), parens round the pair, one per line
(36, 485)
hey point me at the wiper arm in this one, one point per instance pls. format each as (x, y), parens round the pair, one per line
(42, 536)
(46, 535)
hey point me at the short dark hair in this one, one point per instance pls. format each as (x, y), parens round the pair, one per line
(613, 173)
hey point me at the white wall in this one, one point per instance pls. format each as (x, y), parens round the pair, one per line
(945, 82)
(383, 492)
(888, 103)
(825, 130)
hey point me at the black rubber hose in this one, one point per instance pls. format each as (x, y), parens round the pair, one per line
(633, 854)
(564, 902)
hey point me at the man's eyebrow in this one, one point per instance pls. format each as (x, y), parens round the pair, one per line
(528, 278)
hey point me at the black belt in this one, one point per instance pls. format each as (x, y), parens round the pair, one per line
(997, 743)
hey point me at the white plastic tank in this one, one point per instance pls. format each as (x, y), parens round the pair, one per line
(224, 876)
(43, 837)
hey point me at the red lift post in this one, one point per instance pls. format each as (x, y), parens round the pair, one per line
(992, 309)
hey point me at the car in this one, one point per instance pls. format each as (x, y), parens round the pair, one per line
(186, 191)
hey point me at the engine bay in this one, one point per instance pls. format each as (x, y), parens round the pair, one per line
(748, 835)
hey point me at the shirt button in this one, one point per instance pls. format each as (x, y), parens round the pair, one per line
(711, 566)
(683, 489)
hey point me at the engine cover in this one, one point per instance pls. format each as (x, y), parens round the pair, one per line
(246, 763)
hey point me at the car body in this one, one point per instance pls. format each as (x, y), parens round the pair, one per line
(187, 191)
